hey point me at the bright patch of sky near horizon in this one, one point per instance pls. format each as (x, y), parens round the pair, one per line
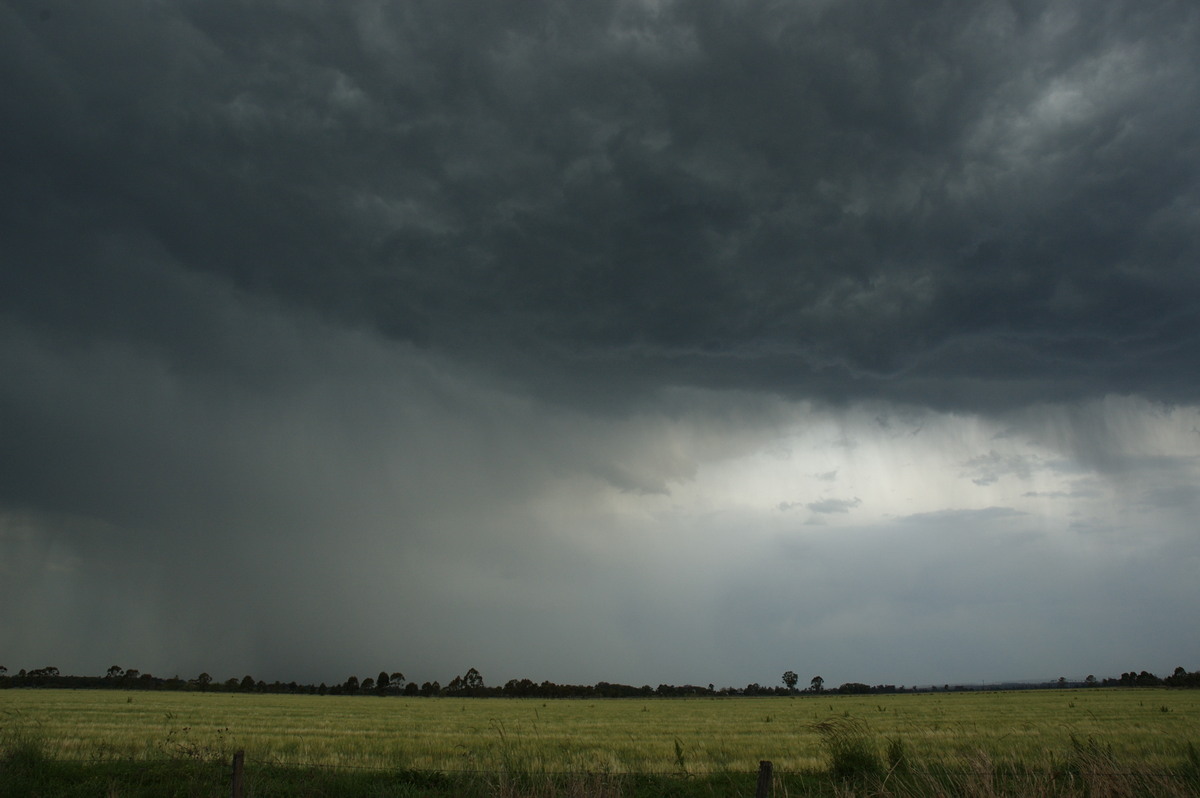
(715, 532)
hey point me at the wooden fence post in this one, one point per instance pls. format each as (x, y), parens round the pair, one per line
(238, 760)
(764, 780)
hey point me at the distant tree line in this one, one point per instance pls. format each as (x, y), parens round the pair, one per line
(1180, 678)
(471, 685)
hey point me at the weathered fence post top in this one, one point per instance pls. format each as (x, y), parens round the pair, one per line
(239, 760)
(764, 780)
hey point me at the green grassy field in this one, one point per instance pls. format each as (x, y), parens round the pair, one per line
(1151, 727)
(1149, 730)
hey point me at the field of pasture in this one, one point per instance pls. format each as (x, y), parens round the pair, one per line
(1154, 730)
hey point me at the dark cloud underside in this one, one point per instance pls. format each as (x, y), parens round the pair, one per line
(969, 205)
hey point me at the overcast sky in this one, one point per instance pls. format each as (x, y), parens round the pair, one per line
(638, 341)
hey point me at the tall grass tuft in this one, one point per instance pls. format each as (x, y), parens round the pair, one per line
(1192, 756)
(21, 749)
(680, 760)
(1087, 769)
(1088, 756)
(897, 757)
(851, 749)
(26, 761)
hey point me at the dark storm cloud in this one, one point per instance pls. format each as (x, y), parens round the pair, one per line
(972, 206)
